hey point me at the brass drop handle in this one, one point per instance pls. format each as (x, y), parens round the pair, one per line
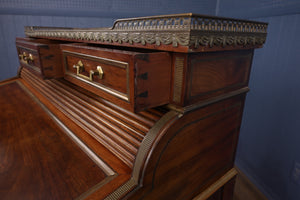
(80, 68)
(30, 57)
(24, 57)
(99, 72)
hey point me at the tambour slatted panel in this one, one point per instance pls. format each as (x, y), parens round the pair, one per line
(119, 130)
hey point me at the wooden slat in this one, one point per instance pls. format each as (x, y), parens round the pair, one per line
(120, 131)
(115, 147)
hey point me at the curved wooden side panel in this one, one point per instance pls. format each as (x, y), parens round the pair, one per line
(141, 160)
(193, 153)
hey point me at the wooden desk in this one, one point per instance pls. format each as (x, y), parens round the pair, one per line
(148, 109)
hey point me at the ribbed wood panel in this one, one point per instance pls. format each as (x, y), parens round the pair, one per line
(119, 130)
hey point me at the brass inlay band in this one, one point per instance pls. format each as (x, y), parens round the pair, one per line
(115, 63)
(142, 155)
(216, 185)
(178, 79)
(35, 68)
(208, 101)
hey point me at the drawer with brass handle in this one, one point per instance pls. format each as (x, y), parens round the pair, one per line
(79, 67)
(131, 79)
(24, 57)
(40, 56)
(29, 58)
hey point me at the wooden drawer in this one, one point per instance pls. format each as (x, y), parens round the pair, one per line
(131, 79)
(40, 56)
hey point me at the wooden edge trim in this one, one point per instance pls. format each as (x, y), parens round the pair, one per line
(19, 71)
(207, 102)
(9, 80)
(217, 185)
(244, 183)
(95, 187)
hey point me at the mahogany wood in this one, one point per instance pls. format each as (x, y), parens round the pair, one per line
(218, 190)
(209, 74)
(194, 152)
(162, 123)
(38, 161)
(118, 132)
(134, 80)
(46, 56)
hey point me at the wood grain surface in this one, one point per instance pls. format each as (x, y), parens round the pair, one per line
(37, 160)
(194, 152)
(46, 56)
(133, 79)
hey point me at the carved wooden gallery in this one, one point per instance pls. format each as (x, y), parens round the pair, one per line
(148, 109)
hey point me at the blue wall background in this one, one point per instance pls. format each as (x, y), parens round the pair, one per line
(269, 144)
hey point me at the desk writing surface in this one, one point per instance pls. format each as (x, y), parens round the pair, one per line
(38, 160)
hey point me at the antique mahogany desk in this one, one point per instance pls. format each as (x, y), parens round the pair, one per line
(148, 109)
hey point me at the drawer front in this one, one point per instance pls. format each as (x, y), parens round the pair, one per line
(108, 75)
(133, 80)
(217, 73)
(40, 56)
(29, 58)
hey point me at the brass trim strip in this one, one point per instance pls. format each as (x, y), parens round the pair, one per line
(106, 89)
(148, 140)
(35, 68)
(142, 154)
(207, 102)
(245, 185)
(27, 48)
(9, 80)
(115, 63)
(111, 62)
(121, 191)
(96, 187)
(216, 185)
(178, 79)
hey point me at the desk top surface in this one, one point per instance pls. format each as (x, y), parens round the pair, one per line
(38, 160)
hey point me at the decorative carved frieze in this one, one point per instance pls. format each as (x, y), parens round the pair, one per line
(184, 29)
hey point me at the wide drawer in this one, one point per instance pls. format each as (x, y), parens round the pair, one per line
(40, 56)
(131, 79)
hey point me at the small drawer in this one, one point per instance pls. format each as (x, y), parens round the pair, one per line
(133, 80)
(41, 56)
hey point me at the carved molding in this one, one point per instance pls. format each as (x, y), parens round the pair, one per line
(185, 29)
(225, 39)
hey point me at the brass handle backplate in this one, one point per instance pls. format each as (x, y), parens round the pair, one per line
(80, 68)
